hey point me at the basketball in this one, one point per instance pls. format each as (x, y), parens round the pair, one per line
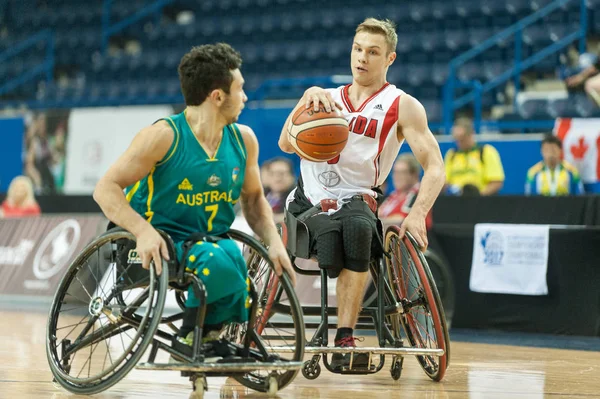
(318, 136)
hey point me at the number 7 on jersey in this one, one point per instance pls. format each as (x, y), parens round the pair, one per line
(213, 209)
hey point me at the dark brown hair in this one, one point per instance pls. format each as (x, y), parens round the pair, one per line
(206, 68)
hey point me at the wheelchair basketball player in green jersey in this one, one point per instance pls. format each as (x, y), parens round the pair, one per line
(184, 174)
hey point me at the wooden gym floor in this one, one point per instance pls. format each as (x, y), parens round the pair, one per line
(476, 371)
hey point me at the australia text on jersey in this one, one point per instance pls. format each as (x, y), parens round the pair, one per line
(203, 198)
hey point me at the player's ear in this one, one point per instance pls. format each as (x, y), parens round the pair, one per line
(391, 58)
(218, 96)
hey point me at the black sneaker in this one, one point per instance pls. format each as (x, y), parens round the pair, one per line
(342, 360)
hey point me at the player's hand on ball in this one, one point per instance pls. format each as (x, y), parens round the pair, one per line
(414, 223)
(279, 256)
(152, 247)
(316, 95)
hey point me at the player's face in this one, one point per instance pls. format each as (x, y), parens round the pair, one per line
(280, 177)
(402, 177)
(463, 139)
(551, 154)
(369, 58)
(234, 101)
(19, 191)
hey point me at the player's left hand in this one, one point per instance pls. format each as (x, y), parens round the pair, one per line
(279, 256)
(414, 223)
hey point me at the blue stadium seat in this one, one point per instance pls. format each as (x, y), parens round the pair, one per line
(286, 38)
(586, 108)
(456, 40)
(433, 109)
(534, 109)
(517, 6)
(562, 108)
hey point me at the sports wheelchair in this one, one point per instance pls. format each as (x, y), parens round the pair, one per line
(407, 300)
(107, 310)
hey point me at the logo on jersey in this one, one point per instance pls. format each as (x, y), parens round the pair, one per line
(214, 181)
(235, 173)
(186, 185)
(379, 107)
(329, 178)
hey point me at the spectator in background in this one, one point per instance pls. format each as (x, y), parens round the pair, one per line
(589, 78)
(264, 176)
(281, 178)
(45, 151)
(553, 176)
(20, 200)
(405, 176)
(472, 164)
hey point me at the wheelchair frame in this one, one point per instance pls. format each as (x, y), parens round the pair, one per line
(296, 237)
(252, 351)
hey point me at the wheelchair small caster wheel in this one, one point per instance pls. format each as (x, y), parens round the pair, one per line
(199, 385)
(396, 369)
(311, 370)
(273, 386)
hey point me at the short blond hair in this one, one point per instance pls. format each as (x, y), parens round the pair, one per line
(384, 27)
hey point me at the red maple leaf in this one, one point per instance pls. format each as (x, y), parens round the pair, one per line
(578, 151)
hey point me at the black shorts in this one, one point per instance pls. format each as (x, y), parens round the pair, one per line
(321, 224)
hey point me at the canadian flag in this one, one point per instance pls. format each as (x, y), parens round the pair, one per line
(581, 142)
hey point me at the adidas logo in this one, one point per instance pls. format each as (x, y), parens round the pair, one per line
(379, 107)
(186, 185)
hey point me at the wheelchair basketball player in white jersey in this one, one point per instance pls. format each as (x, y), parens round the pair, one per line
(345, 233)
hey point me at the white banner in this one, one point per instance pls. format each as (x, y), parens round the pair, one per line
(98, 136)
(580, 140)
(510, 259)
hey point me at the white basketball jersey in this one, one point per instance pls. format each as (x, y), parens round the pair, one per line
(369, 154)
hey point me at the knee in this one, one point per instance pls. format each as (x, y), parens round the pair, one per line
(358, 236)
(330, 252)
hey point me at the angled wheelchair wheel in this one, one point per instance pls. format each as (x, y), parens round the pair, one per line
(442, 275)
(413, 286)
(279, 324)
(104, 314)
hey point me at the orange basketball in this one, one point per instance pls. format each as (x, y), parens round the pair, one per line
(318, 136)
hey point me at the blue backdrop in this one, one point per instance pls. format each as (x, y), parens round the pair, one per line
(11, 150)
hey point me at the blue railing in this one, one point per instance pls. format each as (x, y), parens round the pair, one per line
(108, 30)
(478, 88)
(47, 66)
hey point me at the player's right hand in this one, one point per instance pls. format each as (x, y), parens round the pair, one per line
(316, 95)
(152, 247)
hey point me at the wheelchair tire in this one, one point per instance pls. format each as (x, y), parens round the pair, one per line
(442, 275)
(272, 290)
(120, 317)
(404, 253)
(444, 282)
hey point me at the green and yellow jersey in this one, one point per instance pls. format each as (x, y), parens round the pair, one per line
(188, 191)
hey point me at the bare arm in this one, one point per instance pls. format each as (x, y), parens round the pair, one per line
(284, 142)
(314, 95)
(582, 76)
(413, 121)
(147, 148)
(492, 188)
(256, 208)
